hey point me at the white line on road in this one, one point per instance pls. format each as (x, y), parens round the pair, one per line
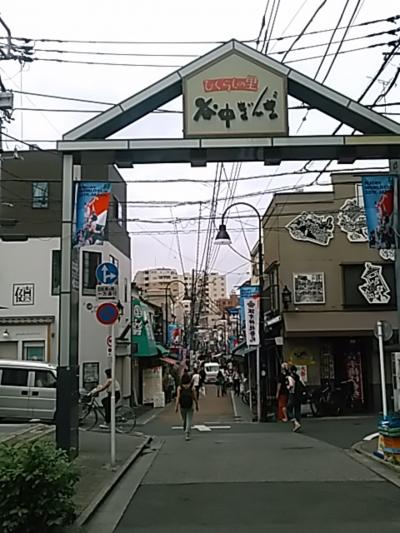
(371, 437)
(146, 420)
(235, 411)
(203, 427)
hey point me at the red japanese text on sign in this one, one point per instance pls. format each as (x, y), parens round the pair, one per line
(248, 83)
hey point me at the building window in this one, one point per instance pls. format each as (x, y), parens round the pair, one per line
(117, 211)
(55, 272)
(125, 290)
(40, 194)
(91, 260)
(33, 351)
(359, 195)
(114, 261)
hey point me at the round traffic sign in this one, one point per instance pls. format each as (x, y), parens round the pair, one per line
(107, 313)
(387, 330)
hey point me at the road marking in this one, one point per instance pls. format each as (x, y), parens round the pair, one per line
(146, 420)
(203, 427)
(235, 411)
(371, 437)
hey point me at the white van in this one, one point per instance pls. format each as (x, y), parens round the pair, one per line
(27, 390)
(211, 370)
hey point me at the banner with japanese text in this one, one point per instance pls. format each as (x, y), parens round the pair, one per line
(252, 320)
(378, 193)
(92, 200)
(247, 291)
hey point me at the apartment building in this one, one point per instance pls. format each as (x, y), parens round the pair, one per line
(30, 228)
(158, 287)
(325, 289)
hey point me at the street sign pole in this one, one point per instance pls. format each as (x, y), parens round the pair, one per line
(382, 367)
(112, 431)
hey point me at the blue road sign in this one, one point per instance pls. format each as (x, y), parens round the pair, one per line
(107, 313)
(107, 274)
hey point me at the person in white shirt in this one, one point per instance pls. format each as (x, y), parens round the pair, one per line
(196, 383)
(106, 386)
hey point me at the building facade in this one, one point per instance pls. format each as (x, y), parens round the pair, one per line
(325, 289)
(30, 274)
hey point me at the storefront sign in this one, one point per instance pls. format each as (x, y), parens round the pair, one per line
(354, 372)
(378, 192)
(24, 294)
(252, 319)
(152, 384)
(235, 97)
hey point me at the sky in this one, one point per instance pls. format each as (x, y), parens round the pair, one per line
(186, 30)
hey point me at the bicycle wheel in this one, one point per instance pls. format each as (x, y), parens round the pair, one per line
(87, 417)
(125, 419)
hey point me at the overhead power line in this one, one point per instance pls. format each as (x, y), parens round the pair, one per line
(26, 39)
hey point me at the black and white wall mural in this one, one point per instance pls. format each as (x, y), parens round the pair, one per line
(387, 255)
(310, 227)
(352, 221)
(374, 289)
(309, 288)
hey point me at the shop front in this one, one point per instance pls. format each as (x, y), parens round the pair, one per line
(152, 360)
(335, 348)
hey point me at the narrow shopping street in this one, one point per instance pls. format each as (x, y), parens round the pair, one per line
(239, 476)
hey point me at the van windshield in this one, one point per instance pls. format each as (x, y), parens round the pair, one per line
(213, 367)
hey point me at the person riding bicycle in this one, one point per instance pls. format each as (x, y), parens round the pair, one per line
(106, 386)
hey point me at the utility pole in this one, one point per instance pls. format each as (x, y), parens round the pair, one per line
(9, 51)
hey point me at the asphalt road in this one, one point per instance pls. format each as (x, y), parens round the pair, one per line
(260, 477)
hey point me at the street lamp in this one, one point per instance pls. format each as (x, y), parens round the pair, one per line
(286, 297)
(223, 238)
(186, 298)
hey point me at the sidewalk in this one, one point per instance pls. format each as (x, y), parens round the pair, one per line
(96, 475)
(367, 448)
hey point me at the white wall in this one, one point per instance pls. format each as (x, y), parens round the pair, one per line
(31, 262)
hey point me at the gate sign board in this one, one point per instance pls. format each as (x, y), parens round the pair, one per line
(235, 96)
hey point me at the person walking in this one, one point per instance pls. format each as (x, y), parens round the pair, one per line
(236, 382)
(295, 389)
(196, 383)
(282, 392)
(220, 383)
(185, 399)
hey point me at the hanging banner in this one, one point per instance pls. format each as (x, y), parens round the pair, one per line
(248, 291)
(252, 320)
(378, 192)
(92, 200)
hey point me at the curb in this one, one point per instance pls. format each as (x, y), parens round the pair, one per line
(380, 467)
(101, 496)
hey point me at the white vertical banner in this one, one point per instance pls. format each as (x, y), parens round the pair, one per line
(252, 320)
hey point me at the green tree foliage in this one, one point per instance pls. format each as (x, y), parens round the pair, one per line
(37, 485)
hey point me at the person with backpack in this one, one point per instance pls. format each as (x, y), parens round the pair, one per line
(185, 399)
(296, 389)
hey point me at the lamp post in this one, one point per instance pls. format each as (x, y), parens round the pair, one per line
(223, 238)
(186, 298)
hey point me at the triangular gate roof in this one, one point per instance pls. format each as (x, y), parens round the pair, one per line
(301, 87)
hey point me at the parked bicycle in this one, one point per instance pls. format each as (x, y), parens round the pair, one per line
(332, 400)
(90, 412)
(245, 396)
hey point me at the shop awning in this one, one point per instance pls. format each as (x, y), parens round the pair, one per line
(143, 342)
(335, 323)
(242, 350)
(169, 360)
(162, 350)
